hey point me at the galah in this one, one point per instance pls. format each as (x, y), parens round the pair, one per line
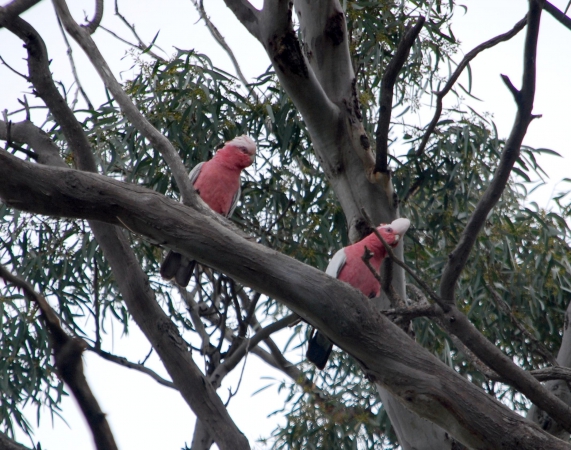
(217, 181)
(347, 265)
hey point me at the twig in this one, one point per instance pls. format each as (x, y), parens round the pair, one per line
(452, 80)
(132, 365)
(400, 263)
(142, 46)
(13, 70)
(67, 356)
(540, 346)
(92, 25)
(159, 141)
(73, 68)
(386, 97)
(199, 5)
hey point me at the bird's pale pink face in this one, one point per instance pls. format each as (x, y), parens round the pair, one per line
(245, 146)
(393, 232)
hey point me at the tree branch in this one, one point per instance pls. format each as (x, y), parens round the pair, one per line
(160, 142)
(452, 80)
(199, 5)
(305, 290)
(386, 97)
(7, 443)
(131, 365)
(67, 356)
(557, 14)
(92, 25)
(524, 99)
(15, 8)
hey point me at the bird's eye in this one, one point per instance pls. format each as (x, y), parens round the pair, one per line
(243, 149)
(389, 229)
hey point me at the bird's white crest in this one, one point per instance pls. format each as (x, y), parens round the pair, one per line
(244, 141)
(399, 226)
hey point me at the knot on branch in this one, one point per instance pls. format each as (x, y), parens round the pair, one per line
(334, 28)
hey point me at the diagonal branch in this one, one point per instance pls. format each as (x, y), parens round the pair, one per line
(67, 355)
(6, 443)
(524, 100)
(15, 8)
(133, 282)
(122, 361)
(450, 83)
(247, 15)
(386, 99)
(160, 142)
(199, 5)
(557, 14)
(318, 298)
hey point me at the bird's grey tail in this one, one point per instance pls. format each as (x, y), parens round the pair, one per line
(318, 350)
(178, 267)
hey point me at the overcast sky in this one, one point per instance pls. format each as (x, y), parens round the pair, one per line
(146, 416)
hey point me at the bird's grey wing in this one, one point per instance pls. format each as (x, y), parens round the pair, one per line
(336, 264)
(234, 202)
(193, 175)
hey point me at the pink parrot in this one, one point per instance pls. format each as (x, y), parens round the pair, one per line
(347, 265)
(217, 181)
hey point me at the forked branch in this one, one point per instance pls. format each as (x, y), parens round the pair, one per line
(452, 80)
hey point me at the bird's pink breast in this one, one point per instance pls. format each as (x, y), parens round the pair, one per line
(357, 274)
(217, 186)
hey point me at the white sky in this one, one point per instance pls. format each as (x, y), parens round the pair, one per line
(146, 416)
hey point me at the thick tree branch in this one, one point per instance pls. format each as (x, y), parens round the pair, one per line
(10, 444)
(353, 323)
(524, 99)
(15, 8)
(452, 80)
(386, 97)
(67, 355)
(133, 283)
(247, 15)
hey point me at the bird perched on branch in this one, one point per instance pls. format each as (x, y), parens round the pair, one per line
(348, 265)
(217, 181)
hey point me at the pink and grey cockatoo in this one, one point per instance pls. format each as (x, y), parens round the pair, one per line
(347, 265)
(217, 181)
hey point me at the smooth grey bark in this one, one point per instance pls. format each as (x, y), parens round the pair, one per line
(388, 356)
(318, 75)
(559, 388)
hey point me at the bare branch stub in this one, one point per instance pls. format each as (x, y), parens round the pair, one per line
(463, 64)
(386, 100)
(67, 356)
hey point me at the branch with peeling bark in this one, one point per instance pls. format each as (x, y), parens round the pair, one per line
(67, 356)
